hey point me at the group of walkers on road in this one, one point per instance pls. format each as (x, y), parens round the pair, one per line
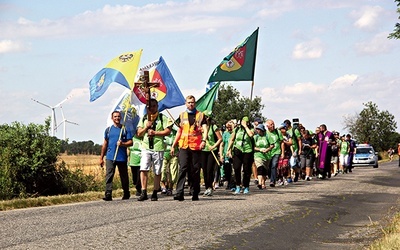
(228, 156)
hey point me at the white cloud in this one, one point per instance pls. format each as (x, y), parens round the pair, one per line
(203, 16)
(316, 103)
(308, 50)
(367, 18)
(377, 45)
(9, 46)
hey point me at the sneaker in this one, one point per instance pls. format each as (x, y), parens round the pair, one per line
(233, 189)
(237, 190)
(210, 192)
(163, 191)
(289, 180)
(207, 192)
(246, 190)
(138, 193)
(169, 192)
(280, 183)
(308, 178)
(143, 196)
(259, 186)
(216, 186)
(272, 184)
(285, 182)
(256, 182)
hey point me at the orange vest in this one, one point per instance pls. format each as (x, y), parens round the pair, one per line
(191, 136)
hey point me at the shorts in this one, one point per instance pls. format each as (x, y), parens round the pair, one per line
(152, 158)
(261, 163)
(334, 159)
(343, 159)
(307, 161)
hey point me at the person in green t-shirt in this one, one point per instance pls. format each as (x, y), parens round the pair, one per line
(241, 150)
(261, 160)
(274, 138)
(343, 153)
(152, 128)
(210, 153)
(169, 170)
(134, 154)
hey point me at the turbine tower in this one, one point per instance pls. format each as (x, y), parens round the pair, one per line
(53, 113)
(65, 121)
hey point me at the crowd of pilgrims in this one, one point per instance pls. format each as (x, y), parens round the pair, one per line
(242, 152)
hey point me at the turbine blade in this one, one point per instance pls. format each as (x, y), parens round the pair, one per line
(68, 97)
(41, 103)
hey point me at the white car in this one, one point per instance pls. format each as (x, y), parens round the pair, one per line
(365, 156)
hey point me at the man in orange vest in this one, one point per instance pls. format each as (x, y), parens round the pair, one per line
(191, 139)
(398, 152)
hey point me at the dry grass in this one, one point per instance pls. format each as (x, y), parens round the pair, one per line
(88, 164)
(391, 239)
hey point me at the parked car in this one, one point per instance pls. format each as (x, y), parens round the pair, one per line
(365, 156)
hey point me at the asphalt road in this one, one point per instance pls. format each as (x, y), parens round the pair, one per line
(344, 212)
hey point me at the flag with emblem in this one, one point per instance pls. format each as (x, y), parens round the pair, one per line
(167, 93)
(122, 69)
(239, 65)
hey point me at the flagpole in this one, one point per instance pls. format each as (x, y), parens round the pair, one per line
(254, 68)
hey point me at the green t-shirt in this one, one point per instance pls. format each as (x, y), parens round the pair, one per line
(344, 148)
(160, 126)
(135, 152)
(242, 140)
(275, 138)
(211, 137)
(261, 142)
(295, 138)
(168, 140)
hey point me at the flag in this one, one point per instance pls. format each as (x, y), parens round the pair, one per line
(129, 111)
(167, 93)
(239, 65)
(122, 69)
(206, 101)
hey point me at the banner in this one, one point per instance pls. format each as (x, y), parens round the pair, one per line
(206, 101)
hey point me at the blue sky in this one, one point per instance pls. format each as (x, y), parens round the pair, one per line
(316, 60)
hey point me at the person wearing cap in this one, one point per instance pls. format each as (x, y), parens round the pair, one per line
(241, 149)
(261, 160)
(152, 128)
(275, 139)
(335, 154)
(307, 156)
(296, 140)
(191, 138)
(344, 150)
(284, 167)
(210, 153)
(256, 122)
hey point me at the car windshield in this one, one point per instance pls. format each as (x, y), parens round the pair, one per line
(364, 151)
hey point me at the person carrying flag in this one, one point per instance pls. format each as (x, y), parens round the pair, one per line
(116, 140)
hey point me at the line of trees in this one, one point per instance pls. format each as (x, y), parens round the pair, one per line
(83, 147)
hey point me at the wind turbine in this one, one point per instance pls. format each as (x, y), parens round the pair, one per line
(65, 121)
(53, 113)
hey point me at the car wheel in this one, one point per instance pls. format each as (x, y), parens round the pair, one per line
(376, 166)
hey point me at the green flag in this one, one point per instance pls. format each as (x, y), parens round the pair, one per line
(206, 101)
(239, 64)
